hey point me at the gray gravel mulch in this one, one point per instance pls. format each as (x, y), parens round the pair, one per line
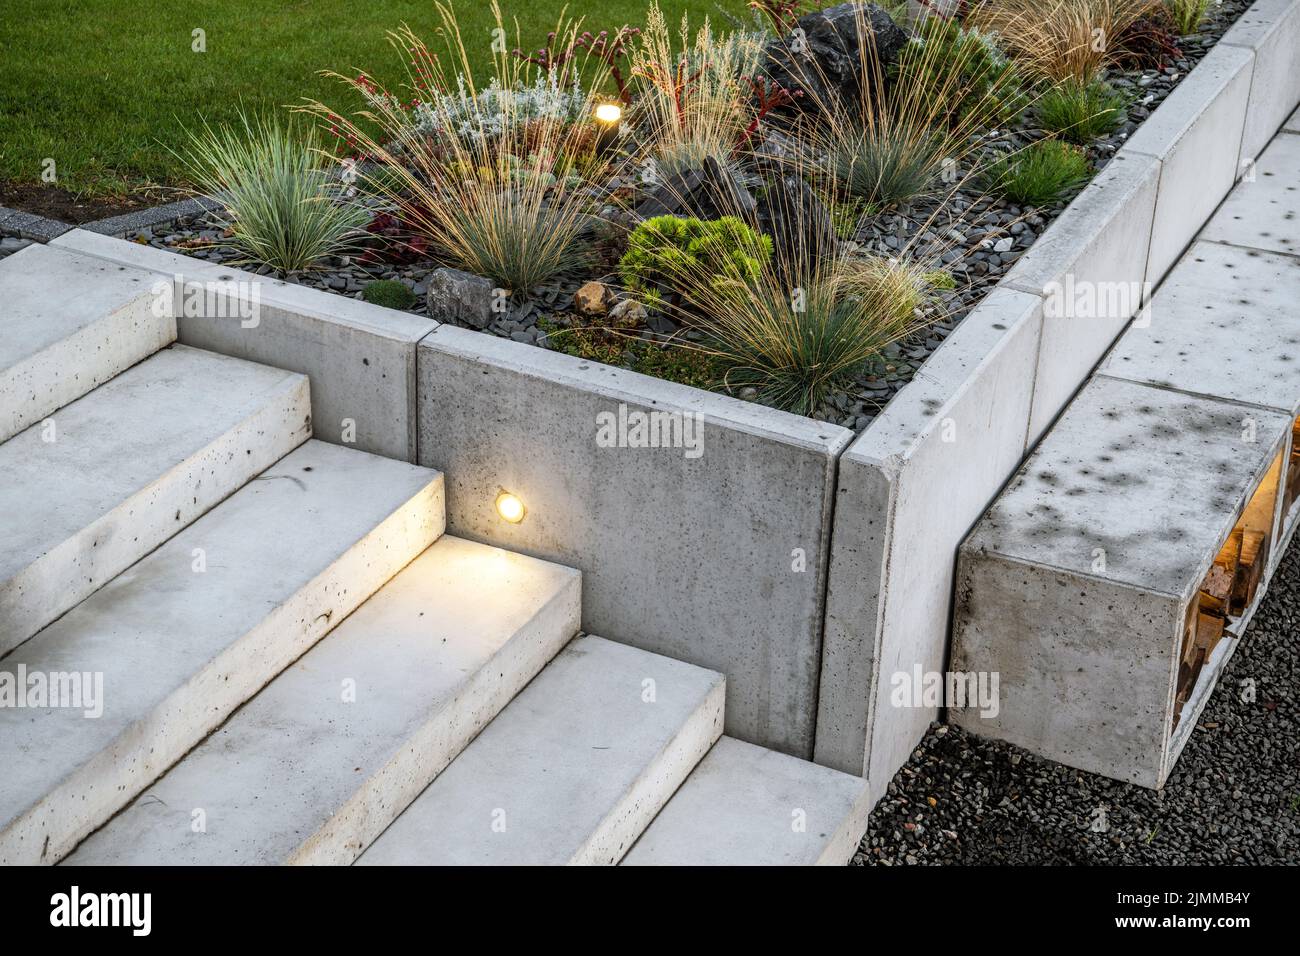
(1233, 797)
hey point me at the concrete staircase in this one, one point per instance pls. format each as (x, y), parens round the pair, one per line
(222, 641)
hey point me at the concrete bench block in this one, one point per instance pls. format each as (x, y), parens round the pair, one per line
(1090, 266)
(432, 657)
(128, 466)
(1263, 211)
(1196, 134)
(1075, 588)
(748, 806)
(190, 632)
(1271, 31)
(711, 550)
(360, 357)
(70, 323)
(572, 771)
(900, 514)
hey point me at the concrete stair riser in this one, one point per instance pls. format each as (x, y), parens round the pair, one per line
(572, 771)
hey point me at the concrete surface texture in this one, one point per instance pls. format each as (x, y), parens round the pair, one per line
(572, 771)
(1218, 327)
(67, 311)
(1074, 586)
(711, 550)
(193, 630)
(127, 466)
(1153, 478)
(360, 357)
(315, 766)
(968, 416)
(747, 806)
(1261, 213)
(1091, 266)
(1270, 29)
(1196, 134)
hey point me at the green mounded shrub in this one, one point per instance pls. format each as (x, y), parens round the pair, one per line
(1038, 175)
(988, 87)
(673, 254)
(1081, 112)
(389, 293)
(286, 209)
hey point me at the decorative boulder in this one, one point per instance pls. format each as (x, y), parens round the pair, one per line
(709, 192)
(828, 57)
(460, 298)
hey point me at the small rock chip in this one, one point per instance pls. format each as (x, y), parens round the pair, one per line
(593, 298)
(628, 309)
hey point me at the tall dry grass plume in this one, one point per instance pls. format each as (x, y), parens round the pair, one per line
(694, 90)
(1060, 40)
(501, 178)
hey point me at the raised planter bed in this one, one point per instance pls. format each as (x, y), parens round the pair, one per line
(729, 560)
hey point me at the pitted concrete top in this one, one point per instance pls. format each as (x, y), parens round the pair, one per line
(48, 293)
(1133, 484)
(1263, 211)
(1223, 324)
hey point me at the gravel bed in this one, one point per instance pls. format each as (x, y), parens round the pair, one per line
(977, 237)
(1233, 797)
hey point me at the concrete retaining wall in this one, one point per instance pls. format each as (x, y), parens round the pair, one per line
(713, 554)
(1271, 31)
(360, 357)
(906, 496)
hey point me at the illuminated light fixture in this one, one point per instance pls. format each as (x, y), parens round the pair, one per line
(608, 116)
(510, 507)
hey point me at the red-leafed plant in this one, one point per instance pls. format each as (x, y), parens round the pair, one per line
(391, 241)
(769, 95)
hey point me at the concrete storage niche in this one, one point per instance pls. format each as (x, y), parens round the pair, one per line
(1228, 594)
(1106, 585)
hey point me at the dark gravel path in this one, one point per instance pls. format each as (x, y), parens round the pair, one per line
(1234, 795)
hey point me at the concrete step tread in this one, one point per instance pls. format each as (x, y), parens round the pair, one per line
(191, 631)
(122, 468)
(300, 774)
(749, 806)
(572, 770)
(69, 322)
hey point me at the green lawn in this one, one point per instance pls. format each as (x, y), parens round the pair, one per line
(100, 85)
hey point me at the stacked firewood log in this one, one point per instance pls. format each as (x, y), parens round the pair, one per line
(1227, 591)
